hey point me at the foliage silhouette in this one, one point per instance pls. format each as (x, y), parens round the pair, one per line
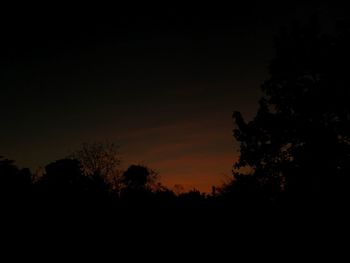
(101, 159)
(298, 144)
(15, 183)
(64, 183)
(138, 181)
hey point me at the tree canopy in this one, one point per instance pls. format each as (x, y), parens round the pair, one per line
(299, 142)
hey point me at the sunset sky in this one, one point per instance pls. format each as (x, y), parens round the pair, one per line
(163, 85)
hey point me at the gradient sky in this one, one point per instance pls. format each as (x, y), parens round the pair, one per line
(162, 84)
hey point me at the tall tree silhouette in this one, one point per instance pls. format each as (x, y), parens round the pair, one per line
(138, 179)
(299, 140)
(101, 160)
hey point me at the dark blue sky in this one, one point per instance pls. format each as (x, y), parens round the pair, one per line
(162, 82)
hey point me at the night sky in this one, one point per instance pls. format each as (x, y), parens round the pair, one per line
(160, 81)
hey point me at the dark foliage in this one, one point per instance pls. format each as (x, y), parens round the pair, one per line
(15, 183)
(298, 146)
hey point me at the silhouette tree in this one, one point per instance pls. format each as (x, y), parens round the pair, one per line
(299, 141)
(138, 179)
(15, 183)
(65, 183)
(101, 159)
(63, 177)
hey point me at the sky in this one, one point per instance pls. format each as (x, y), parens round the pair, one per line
(162, 82)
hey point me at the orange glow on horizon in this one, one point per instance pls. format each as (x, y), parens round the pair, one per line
(195, 155)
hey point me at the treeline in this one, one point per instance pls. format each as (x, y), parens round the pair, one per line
(68, 184)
